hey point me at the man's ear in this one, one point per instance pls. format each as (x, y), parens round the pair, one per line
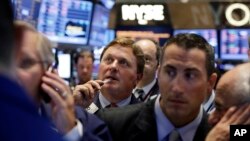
(139, 77)
(211, 81)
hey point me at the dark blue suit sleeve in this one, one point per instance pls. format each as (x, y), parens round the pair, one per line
(94, 128)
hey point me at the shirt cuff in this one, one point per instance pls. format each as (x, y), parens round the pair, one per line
(76, 133)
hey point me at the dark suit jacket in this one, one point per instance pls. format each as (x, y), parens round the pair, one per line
(138, 123)
(154, 91)
(19, 118)
(93, 126)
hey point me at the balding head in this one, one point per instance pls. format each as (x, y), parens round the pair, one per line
(151, 51)
(147, 43)
(233, 89)
(234, 86)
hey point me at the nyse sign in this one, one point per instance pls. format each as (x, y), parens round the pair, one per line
(143, 13)
(240, 18)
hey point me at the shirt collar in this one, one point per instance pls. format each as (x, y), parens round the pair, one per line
(146, 88)
(164, 126)
(207, 104)
(104, 102)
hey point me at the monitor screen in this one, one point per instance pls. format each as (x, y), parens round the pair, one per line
(209, 34)
(99, 26)
(234, 44)
(65, 21)
(27, 10)
(64, 65)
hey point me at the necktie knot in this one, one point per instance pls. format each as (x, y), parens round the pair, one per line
(140, 94)
(111, 105)
(174, 136)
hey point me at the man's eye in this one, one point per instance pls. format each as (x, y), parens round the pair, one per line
(124, 62)
(27, 63)
(190, 75)
(108, 60)
(171, 72)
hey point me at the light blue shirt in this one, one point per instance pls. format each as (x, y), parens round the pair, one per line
(164, 126)
(104, 102)
(209, 104)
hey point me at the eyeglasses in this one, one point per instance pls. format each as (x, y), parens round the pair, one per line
(28, 63)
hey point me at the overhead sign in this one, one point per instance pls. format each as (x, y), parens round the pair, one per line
(139, 14)
(228, 14)
(238, 14)
(191, 15)
(143, 13)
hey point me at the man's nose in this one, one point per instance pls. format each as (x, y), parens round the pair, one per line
(114, 65)
(85, 69)
(177, 85)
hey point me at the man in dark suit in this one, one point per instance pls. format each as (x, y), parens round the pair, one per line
(185, 76)
(121, 67)
(147, 88)
(19, 118)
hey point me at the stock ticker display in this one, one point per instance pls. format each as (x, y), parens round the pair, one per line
(65, 21)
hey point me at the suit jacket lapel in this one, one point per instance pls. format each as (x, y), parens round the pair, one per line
(97, 101)
(145, 124)
(203, 128)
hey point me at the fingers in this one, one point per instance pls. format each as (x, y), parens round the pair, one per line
(57, 89)
(55, 82)
(237, 115)
(55, 77)
(56, 98)
(228, 114)
(242, 114)
(84, 94)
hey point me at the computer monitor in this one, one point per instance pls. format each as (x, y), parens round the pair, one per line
(64, 65)
(65, 21)
(209, 34)
(27, 10)
(234, 44)
(99, 26)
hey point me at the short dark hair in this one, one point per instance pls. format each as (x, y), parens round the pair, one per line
(85, 53)
(129, 43)
(7, 33)
(189, 41)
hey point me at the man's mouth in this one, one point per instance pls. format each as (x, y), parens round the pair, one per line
(109, 79)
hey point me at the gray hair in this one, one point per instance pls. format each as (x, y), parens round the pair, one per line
(241, 87)
(43, 46)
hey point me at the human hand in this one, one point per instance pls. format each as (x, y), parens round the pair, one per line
(84, 94)
(62, 102)
(233, 116)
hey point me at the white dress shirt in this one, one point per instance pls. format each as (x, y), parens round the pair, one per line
(209, 104)
(104, 102)
(146, 89)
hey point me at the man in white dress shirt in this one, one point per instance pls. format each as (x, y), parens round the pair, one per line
(147, 88)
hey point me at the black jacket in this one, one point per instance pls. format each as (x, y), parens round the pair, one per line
(138, 123)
